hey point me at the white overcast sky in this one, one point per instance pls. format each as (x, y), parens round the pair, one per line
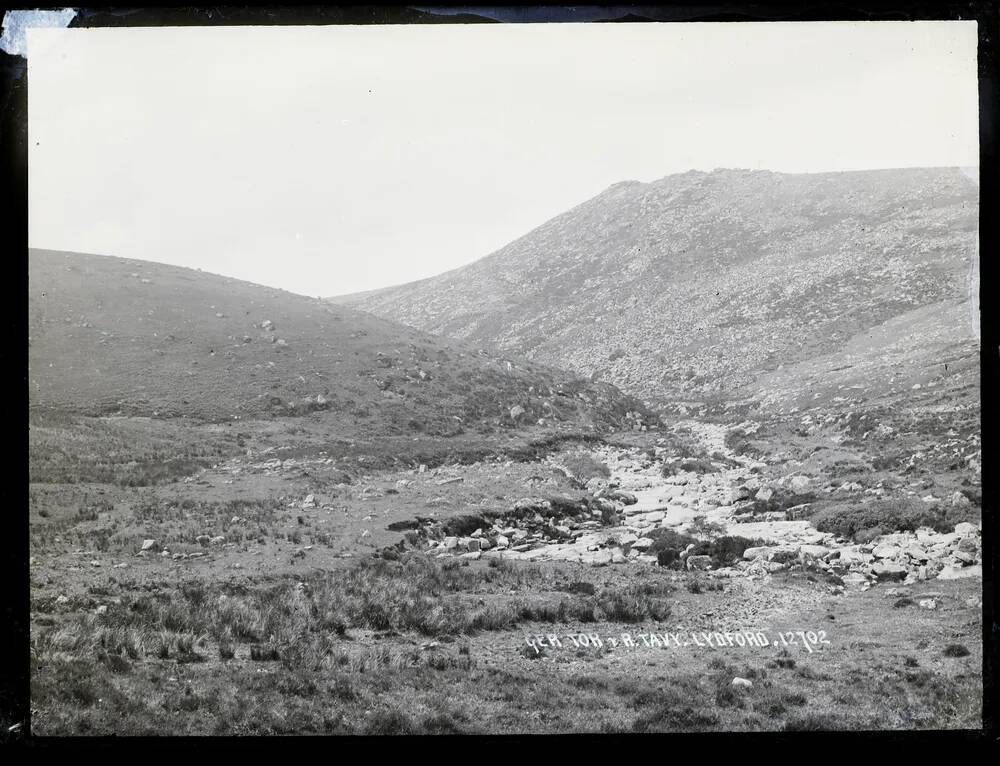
(332, 159)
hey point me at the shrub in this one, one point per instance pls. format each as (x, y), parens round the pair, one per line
(737, 442)
(668, 545)
(866, 521)
(462, 526)
(391, 722)
(699, 465)
(583, 466)
(781, 500)
(727, 550)
(581, 587)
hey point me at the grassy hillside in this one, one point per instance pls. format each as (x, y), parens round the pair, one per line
(699, 286)
(116, 336)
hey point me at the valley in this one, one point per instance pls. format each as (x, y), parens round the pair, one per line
(543, 493)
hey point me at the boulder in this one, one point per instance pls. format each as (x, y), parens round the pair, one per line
(597, 558)
(957, 573)
(622, 496)
(958, 500)
(784, 554)
(741, 683)
(799, 484)
(888, 571)
(148, 545)
(886, 551)
(752, 554)
(916, 553)
(642, 543)
(807, 552)
(855, 580)
(965, 529)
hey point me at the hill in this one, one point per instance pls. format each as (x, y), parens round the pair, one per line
(112, 336)
(721, 287)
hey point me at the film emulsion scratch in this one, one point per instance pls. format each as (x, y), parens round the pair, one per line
(625, 381)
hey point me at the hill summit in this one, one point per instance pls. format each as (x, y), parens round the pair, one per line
(700, 286)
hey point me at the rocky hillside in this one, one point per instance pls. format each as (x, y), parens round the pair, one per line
(700, 287)
(115, 336)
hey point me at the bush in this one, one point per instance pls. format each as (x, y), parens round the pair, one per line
(956, 650)
(699, 465)
(738, 443)
(782, 500)
(391, 722)
(583, 466)
(865, 522)
(727, 550)
(668, 545)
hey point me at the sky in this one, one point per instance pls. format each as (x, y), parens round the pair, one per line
(333, 159)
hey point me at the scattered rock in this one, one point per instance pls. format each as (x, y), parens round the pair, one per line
(958, 500)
